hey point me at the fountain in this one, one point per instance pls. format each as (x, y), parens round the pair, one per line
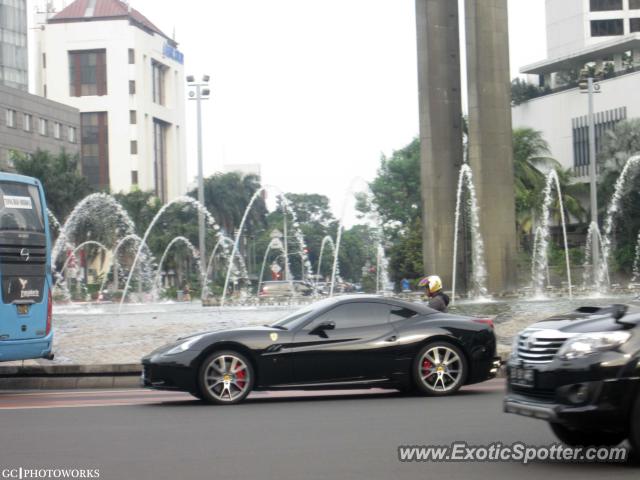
(274, 244)
(541, 255)
(96, 205)
(478, 268)
(612, 214)
(636, 263)
(298, 234)
(194, 253)
(326, 240)
(185, 200)
(62, 281)
(590, 274)
(223, 241)
(382, 276)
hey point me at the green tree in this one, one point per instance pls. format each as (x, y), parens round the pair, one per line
(531, 157)
(396, 188)
(396, 196)
(523, 91)
(63, 183)
(226, 196)
(619, 145)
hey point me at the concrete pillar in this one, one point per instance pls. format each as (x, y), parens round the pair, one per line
(440, 128)
(490, 136)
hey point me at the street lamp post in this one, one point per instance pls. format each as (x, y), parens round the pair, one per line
(199, 92)
(590, 87)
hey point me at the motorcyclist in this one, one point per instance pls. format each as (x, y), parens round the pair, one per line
(438, 300)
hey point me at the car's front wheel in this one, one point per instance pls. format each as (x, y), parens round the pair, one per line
(440, 368)
(225, 378)
(580, 438)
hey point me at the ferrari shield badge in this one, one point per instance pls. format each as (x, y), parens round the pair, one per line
(274, 337)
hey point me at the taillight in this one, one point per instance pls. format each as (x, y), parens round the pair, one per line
(49, 312)
(484, 321)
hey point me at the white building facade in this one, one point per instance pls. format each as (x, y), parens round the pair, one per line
(602, 36)
(127, 79)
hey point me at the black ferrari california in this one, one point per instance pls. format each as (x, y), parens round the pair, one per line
(337, 343)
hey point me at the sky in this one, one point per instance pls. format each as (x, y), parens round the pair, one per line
(313, 91)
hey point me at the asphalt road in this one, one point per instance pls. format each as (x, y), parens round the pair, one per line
(135, 434)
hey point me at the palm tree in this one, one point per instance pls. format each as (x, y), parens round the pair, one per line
(531, 155)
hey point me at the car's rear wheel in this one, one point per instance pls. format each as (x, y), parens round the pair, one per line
(581, 438)
(440, 368)
(225, 378)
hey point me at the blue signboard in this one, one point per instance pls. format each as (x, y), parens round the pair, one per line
(173, 53)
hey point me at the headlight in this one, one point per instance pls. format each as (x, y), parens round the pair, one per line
(589, 343)
(184, 346)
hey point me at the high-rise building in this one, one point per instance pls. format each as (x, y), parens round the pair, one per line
(126, 77)
(598, 36)
(14, 61)
(573, 25)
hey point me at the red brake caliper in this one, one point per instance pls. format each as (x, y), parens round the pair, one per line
(426, 365)
(240, 376)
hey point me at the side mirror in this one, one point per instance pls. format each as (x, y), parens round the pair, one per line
(321, 330)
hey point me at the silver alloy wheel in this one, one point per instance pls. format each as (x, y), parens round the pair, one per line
(441, 369)
(227, 377)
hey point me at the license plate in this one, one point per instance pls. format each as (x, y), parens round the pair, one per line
(23, 309)
(523, 377)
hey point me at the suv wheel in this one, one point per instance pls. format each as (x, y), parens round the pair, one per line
(580, 438)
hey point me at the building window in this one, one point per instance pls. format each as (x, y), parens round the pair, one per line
(605, 5)
(43, 127)
(57, 130)
(158, 72)
(604, 121)
(634, 25)
(28, 122)
(95, 148)
(133, 117)
(88, 73)
(134, 177)
(132, 56)
(134, 147)
(71, 134)
(607, 28)
(160, 158)
(132, 87)
(634, 4)
(10, 116)
(44, 60)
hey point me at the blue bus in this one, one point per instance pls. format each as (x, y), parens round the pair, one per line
(25, 270)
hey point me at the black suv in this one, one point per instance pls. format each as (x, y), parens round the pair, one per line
(581, 373)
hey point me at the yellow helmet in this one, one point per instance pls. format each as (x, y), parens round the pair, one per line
(433, 283)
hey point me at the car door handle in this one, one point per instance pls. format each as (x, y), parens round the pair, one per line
(392, 338)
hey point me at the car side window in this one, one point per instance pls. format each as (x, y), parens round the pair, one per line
(354, 315)
(400, 313)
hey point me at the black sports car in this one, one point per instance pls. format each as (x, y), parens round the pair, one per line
(344, 342)
(581, 373)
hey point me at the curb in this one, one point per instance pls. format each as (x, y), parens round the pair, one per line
(49, 377)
